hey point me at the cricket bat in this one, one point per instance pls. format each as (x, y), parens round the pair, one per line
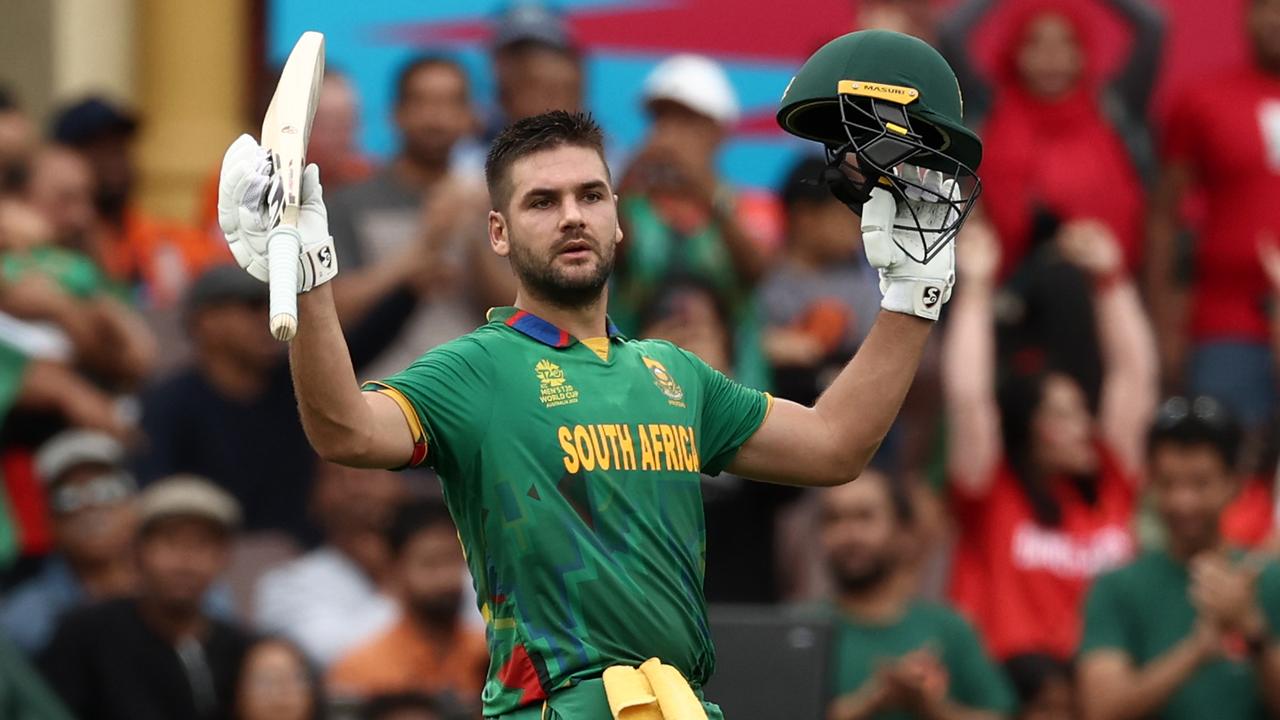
(286, 129)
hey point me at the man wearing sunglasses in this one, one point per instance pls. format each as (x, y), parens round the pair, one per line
(91, 507)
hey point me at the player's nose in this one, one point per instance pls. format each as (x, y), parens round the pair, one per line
(571, 213)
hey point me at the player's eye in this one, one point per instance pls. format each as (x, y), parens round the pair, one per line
(542, 203)
(593, 196)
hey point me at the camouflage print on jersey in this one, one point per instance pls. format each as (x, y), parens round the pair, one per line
(574, 482)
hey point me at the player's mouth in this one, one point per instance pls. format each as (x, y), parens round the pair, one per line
(576, 249)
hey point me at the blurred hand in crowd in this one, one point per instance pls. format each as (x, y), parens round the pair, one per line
(914, 683)
(1091, 246)
(21, 227)
(1226, 593)
(454, 207)
(1269, 256)
(977, 252)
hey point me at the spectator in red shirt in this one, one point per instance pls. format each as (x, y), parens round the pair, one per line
(1223, 139)
(1043, 490)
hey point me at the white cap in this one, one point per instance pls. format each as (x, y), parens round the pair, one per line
(698, 83)
(70, 448)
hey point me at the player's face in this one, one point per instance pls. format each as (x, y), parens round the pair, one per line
(560, 227)
(859, 531)
(1050, 60)
(1191, 486)
(1064, 429)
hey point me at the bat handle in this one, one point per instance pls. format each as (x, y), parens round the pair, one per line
(283, 245)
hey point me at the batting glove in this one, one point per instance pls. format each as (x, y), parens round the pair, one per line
(908, 286)
(250, 204)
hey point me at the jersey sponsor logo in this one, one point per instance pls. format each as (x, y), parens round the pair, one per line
(554, 390)
(665, 383)
(651, 447)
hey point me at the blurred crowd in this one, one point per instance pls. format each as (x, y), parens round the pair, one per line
(1073, 517)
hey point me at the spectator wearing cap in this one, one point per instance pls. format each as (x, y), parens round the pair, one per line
(681, 218)
(92, 503)
(214, 416)
(819, 301)
(430, 648)
(158, 656)
(155, 257)
(537, 65)
(895, 656)
(1191, 630)
(91, 500)
(1042, 489)
(414, 231)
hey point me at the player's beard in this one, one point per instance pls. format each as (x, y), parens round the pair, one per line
(544, 279)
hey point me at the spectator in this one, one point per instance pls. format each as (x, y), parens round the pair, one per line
(414, 227)
(157, 655)
(23, 694)
(329, 600)
(894, 656)
(681, 218)
(536, 65)
(277, 683)
(17, 139)
(1191, 631)
(61, 188)
(821, 299)
(91, 500)
(1046, 106)
(1043, 492)
(1214, 334)
(429, 649)
(1044, 686)
(156, 257)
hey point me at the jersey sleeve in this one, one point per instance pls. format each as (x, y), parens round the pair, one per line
(1104, 618)
(446, 396)
(730, 414)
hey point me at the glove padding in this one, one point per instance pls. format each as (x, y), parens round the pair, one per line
(249, 206)
(907, 286)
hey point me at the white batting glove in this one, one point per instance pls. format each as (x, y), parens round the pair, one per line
(249, 206)
(907, 286)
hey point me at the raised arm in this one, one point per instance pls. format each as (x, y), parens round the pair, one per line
(1113, 688)
(343, 424)
(1164, 289)
(1136, 79)
(831, 442)
(1130, 370)
(969, 365)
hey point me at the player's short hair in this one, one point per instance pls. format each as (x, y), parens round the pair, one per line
(425, 62)
(1196, 422)
(413, 517)
(547, 131)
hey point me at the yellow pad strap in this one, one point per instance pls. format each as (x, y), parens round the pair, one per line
(629, 695)
(675, 697)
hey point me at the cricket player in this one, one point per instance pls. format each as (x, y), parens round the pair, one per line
(569, 454)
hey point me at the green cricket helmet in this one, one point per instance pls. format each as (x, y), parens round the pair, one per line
(887, 108)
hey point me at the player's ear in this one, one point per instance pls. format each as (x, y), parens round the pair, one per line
(617, 235)
(499, 240)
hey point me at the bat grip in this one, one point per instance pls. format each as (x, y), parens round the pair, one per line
(283, 245)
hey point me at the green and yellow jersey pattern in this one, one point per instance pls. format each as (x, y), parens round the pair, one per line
(573, 477)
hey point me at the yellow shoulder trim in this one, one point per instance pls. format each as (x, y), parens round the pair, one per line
(411, 417)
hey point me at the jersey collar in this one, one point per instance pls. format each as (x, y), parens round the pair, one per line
(539, 329)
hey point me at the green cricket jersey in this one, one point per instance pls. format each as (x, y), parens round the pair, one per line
(574, 483)
(1144, 609)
